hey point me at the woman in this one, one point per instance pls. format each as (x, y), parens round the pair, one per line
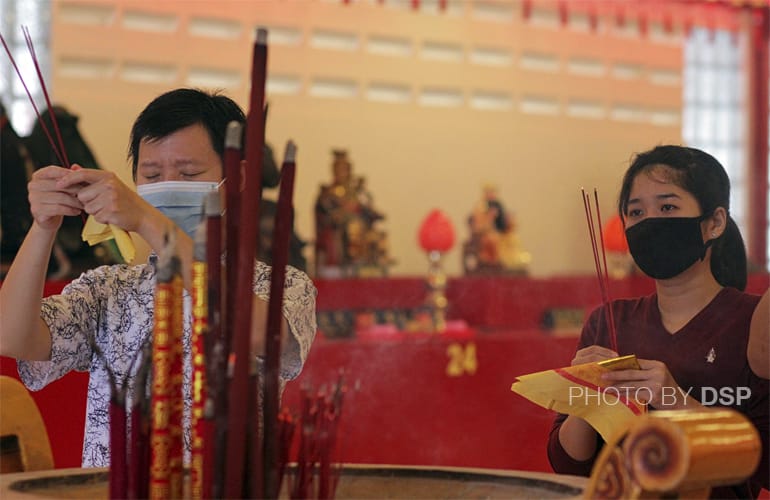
(691, 335)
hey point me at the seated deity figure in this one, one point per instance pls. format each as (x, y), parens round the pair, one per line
(493, 246)
(348, 239)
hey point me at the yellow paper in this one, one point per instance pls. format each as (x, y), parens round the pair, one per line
(577, 390)
(95, 232)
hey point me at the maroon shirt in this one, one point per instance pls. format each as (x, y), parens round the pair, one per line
(708, 352)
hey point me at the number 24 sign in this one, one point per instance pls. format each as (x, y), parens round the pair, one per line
(462, 359)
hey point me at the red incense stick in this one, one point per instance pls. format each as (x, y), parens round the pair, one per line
(199, 330)
(34, 106)
(54, 122)
(222, 341)
(244, 295)
(611, 317)
(280, 258)
(214, 342)
(601, 275)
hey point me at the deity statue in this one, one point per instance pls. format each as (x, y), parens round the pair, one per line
(493, 246)
(348, 239)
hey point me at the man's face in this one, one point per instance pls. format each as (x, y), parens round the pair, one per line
(185, 155)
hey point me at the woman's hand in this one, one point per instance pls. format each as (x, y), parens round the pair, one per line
(49, 201)
(593, 353)
(652, 384)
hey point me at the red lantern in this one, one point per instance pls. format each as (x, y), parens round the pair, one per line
(436, 232)
(615, 235)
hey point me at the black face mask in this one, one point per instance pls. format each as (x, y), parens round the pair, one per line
(664, 247)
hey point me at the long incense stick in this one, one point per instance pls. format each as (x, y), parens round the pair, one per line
(601, 274)
(54, 121)
(237, 426)
(280, 257)
(611, 318)
(199, 330)
(215, 345)
(221, 349)
(32, 102)
(166, 438)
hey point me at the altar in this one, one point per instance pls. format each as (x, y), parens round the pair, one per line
(418, 398)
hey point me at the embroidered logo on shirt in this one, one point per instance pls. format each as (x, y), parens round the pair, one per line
(711, 356)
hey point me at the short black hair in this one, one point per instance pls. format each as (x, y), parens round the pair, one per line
(181, 108)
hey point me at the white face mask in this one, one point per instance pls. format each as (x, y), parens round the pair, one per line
(180, 201)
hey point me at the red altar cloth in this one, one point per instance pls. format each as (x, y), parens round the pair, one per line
(431, 400)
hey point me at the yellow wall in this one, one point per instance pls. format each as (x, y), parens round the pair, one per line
(111, 57)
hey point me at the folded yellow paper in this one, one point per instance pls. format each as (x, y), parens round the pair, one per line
(95, 232)
(578, 390)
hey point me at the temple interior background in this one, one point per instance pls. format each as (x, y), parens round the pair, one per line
(432, 100)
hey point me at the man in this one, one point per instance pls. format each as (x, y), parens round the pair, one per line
(179, 136)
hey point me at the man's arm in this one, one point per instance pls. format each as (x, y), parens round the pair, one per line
(23, 334)
(298, 327)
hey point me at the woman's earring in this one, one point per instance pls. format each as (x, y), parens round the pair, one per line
(713, 234)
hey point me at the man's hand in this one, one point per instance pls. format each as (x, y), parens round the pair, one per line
(104, 196)
(49, 201)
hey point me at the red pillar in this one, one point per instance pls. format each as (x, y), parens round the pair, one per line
(757, 105)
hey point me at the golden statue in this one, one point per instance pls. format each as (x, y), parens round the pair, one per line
(493, 246)
(348, 241)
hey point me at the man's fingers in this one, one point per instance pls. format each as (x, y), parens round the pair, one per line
(50, 172)
(81, 176)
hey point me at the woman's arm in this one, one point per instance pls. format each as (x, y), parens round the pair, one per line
(758, 350)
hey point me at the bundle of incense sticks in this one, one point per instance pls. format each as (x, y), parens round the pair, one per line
(122, 480)
(600, 263)
(318, 442)
(139, 455)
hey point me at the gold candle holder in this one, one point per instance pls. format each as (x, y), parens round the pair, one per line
(437, 300)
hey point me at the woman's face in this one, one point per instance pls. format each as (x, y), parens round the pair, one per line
(653, 194)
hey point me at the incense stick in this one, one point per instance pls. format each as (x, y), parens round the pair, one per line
(51, 112)
(601, 274)
(214, 346)
(32, 102)
(199, 331)
(280, 257)
(248, 217)
(611, 318)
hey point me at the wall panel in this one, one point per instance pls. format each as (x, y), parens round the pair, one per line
(415, 157)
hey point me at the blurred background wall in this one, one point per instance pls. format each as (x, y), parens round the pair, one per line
(431, 99)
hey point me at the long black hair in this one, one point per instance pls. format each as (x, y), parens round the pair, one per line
(701, 175)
